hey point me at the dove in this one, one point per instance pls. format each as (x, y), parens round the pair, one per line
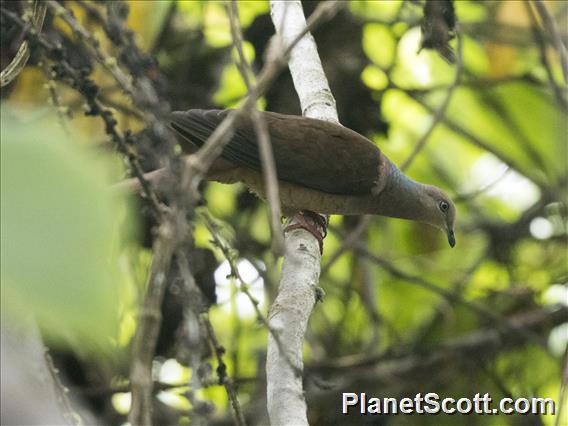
(321, 167)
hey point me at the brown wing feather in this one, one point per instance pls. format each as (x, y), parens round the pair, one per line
(308, 152)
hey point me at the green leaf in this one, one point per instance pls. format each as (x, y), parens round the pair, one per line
(60, 222)
(379, 44)
(374, 78)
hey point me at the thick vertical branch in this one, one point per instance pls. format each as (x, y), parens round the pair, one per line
(310, 82)
(291, 310)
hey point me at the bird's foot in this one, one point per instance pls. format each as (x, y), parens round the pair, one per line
(312, 222)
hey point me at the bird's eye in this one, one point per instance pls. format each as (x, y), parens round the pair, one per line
(444, 206)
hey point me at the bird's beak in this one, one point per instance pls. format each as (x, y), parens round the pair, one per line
(451, 238)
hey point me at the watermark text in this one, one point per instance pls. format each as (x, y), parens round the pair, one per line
(431, 403)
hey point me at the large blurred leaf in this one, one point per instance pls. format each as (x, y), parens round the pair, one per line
(539, 125)
(59, 226)
(518, 121)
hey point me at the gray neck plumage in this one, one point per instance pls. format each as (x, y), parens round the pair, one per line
(402, 197)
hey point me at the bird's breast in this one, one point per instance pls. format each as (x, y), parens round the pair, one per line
(294, 198)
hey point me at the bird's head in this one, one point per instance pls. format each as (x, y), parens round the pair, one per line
(441, 211)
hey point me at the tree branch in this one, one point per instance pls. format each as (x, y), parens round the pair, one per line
(263, 137)
(297, 294)
(37, 15)
(150, 317)
(559, 92)
(370, 371)
(549, 23)
(439, 114)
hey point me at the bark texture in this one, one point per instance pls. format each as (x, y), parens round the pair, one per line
(296, 298)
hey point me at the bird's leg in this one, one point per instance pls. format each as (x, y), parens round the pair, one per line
(312, 222)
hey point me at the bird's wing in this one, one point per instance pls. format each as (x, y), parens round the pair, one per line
(312, 153)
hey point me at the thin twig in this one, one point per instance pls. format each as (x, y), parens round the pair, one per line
(298, 290)
(158, 386)
(439, 114)
(550, 24)
(124, 109)
(348, 242)
(559, 93)
(476, 140)
(213, 147)
(481, 310)
(62, 112)
(263, 137)
(150, 316)
(245, 288)
(457, 349)
(460, 198)
(197, 165)
(457, 288)
(172, 229)
(63, 71)
(145, 338)
(131, 56)
(224, 379)
(164, 28)
(93, 45)
(17, 64)
(197, 309)
(194, 169)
